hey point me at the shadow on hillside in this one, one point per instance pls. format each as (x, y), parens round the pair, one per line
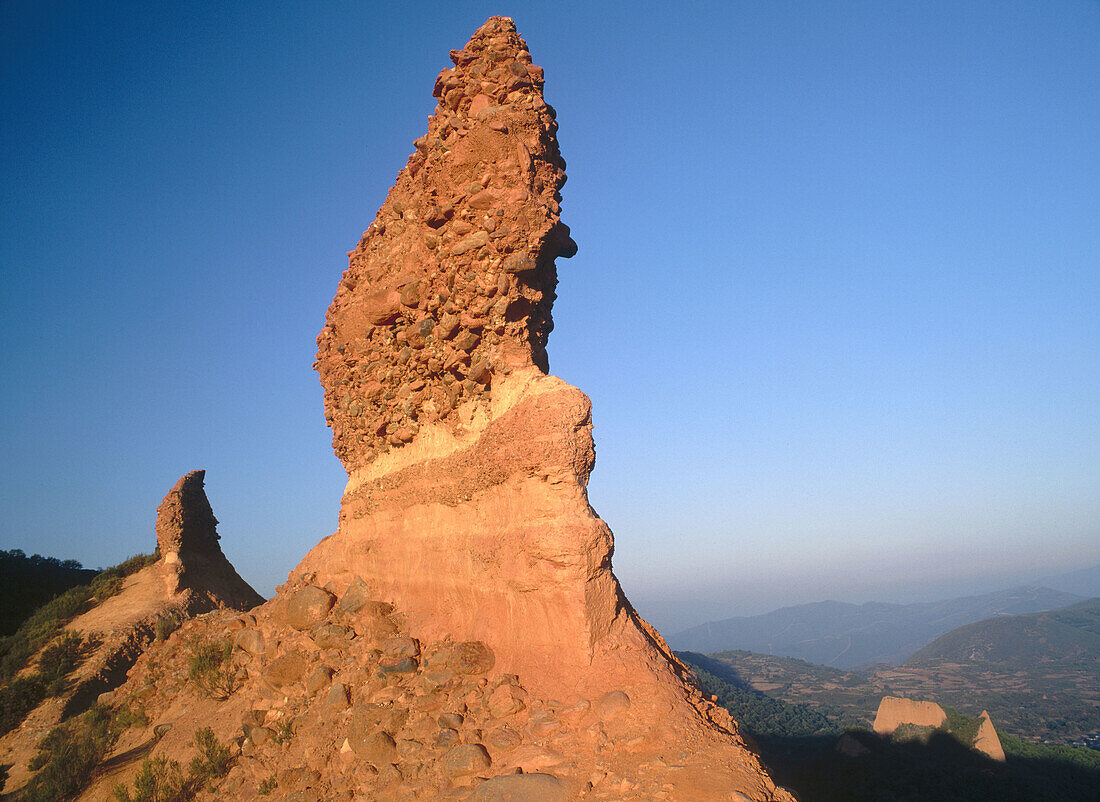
(829, 764)
(723, 671)
(875, 768)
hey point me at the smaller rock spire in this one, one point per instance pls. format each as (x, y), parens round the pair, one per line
(986, 741)
(187, 538)
(185, 521)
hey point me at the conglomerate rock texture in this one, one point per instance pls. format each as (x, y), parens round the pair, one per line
(450, 287)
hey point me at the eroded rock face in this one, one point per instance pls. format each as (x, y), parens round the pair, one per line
(463, 624)
(185, 523)
(466, 506)
(467, 463)
(893, 711)
(451, 286)
(191, 559)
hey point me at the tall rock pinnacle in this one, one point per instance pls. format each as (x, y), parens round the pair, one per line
(185, 523)
(466, 506)
(461, 636)
(451, 286)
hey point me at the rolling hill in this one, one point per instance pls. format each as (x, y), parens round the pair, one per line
(1038, 675)
(1022, 641)
(850, 635)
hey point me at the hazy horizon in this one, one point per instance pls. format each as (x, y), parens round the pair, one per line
(835, 300)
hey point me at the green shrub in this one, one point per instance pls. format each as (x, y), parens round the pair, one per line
(59, 659)
(162, 780)
(68, 755)
(266, 787)
(165, 625)
(284, 731)
(18, 698)
(16, 650)
(210, 667)
(158, 780)
(22, 694)
(104, 588)
(126, 717)
(213, 759)
(36, 631)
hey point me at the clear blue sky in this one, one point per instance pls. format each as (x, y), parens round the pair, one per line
(836, 301)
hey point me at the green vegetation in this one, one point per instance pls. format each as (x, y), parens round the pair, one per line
(760, 714)
(18, 698)
(1015, 748)
(211, 668)
(162, 780)
(165, 625)
(68, 755)
(1068, 635)
(27, 583)
(915, 764)
(21, 695)
(158, 780)
(213, 759)
(60, 658)
(265, 788)
(131, 716)
(40, 627)
(284, 731)
(1049, 701)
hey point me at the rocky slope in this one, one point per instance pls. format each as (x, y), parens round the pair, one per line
(461, 636)
(191, 577)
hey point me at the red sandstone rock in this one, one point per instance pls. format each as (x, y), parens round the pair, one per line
(466, 504)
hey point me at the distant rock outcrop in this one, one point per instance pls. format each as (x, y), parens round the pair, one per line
(894, 711)
(986, 741)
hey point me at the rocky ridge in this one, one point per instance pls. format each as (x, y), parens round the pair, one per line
(332, 698)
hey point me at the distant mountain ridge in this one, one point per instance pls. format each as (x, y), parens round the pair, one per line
(1022, 641)
(1085, 582)
(1037, 674)
(846, 635)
